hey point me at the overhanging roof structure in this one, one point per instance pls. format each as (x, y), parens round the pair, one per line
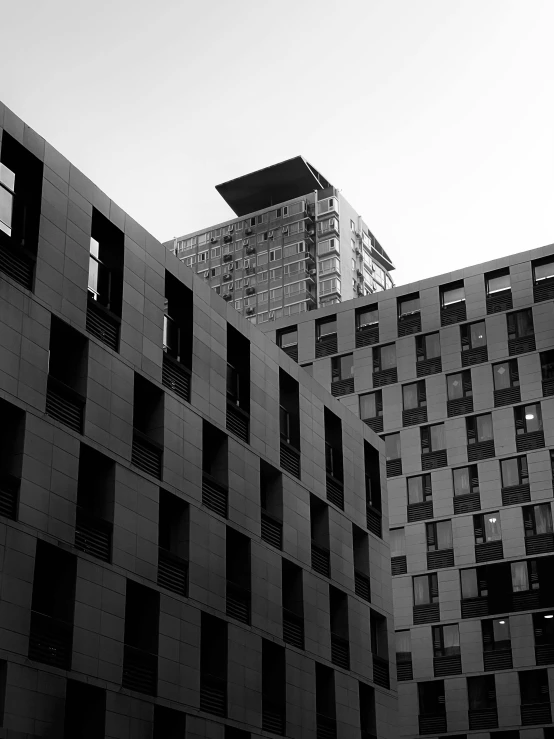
(272, 185)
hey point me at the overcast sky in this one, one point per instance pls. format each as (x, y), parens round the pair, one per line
(434, 117)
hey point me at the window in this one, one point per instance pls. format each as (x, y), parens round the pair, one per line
(275, 254)
(446, 640)
(326, 328)
(481, 692)
(537, 519)
(352, 226)
(533, 687)
(202, 256)
(514, 471)
(479, 429)
(486, 527)
(384, 358)
(216, 271)
(543, 270)
(213, 664)
(525, 576)
(496, 634)
(459, 385)
(474, 335)
(498, 281)
(329, 286)
(428, 347)
(520, 324)
(371, 405)
(505, 375)
(426, 589)
(528, 419)
(142, 619)
(239, 244)
(472, 585)
(262, 258)
(392, 446)
(215, 252)
(414, 396)
(342, 367)
(547, 367)
(189, 261)
(327, 245)
(292, 249)
(262, 237)
(262, 296)
(7, 194)
(295, 288)
(276, 293)
(329, 265)
(419, 489)
(238, 304)
(238, 263)
(366, 317)
(453, 293)
(105, 279)
(262, 276)
(85, 711)
(397, 543)
(432, 438)
(543, 624)
(403, 646)
(287, 338)
(262, 218)
(330, 224)
(431, 698)
(466, 480)
(439, 536)
(275, 274)
(289, 411)
(408, 305)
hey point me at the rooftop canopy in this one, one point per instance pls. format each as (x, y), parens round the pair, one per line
(271, 186)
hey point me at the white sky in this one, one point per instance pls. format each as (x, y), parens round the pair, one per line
(434, 117)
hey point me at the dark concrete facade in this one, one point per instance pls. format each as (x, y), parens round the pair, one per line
(174, 560)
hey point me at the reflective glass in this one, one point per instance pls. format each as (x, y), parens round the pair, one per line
(432, 346)
(477, 334)
(496, 284)
(462, 485)
(455, 386)
(510, 472)
(392, 446)
(410, 396)
(437, 437)
(484, 427)
(544, 271)
(368, 406)
(501, 376)
(453, 296)
(388, 357)
(469, 584)
(397, 542)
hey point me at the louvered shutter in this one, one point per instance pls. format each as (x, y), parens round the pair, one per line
(421, 394)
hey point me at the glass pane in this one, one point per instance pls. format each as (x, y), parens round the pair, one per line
(93, 276)
(520, 579)
(415, 490)
(289, 339)
(330, 327)
(469, 584)
(388, 357)
(484, 427)
(477, 334)
(455, 386)
(94, 247)
(409, 306)
(462, 484)
(478, 693)
(437, 437)
(501, 376)
(392, 446)
(368, 317)
(501, 631)
(403, 642)
(492, 526)
(453, 296)
(510, 472)
(544, 271)
(543, 519)
(533, 420)
(409, 394)
(6, 208)
(432, 346)
(368, 406)
(451, 639)
(346, 366)
(524, 323)
(495, 284)
(421, 590)
(397, 542)
(7, 177)
(444, 535)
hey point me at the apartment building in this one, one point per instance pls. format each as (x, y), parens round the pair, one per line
(175, 560)
(456, 373)
(296, 244)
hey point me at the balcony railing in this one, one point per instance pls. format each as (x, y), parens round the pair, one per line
(434, 460)
(409, 324)
(238, 602)
(516, 494)
(293, 629)
(497, 659)
(536, 714)
(528, 442)
(176, 377)
(447, 665)
(441, 558)
(17, 264)
(272, 530)
(292, 351)
(172, 572)
(543, 290)
(434, 723)
(539, 544)
(459, 406)
(484, 718)
(500, 302)
(326, 346)
(467, 503)
(140, 670)
(335, 491)
(93, 535)
(475, 356)
(50, 640)
(214, 495)
(404, 669)
(290, 459)
(521, 346)
(398, 565)
(381, 672)
(420, 511)
(273, 715)
(367, 336)
(147, 454)
(326, 727)
(426, 614)
(64, 404)
(321, 560)
(342, 387)
(385, 377)
(481, 450)
(9, 495)
(213, 695)
(340, 651)
(238, 421)
(374, 521)
(375, 424)
(507, 396)
(394, 467)
(414, 416)
(544, 654)
(362, 585)
(103, 324)
(455, 313)
(475, 607)
(489, 551)
(429, 367)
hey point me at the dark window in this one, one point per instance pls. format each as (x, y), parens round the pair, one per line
(325, 693)
(459, 385)
(378, 634)
(85, 711)
(67, 375)
(168, 723)
(486, 527)
(372, 477)
(481, 692)
(12, 440)
(271, 500)
(366, 695)
(342, 368)
(446, 640)
(466, 480)
(414, 395)
(431, 698)
(319, 527)
(289, 409)
(148, 427)
(514, 471)
(140, 656)
(95, 503)
(238, 384)
(338, 621)
(213, 665)
(520, 324)
(432, 438)
(366, 317)
(371, 405)
(273, 687)
(474, 335)
(498, 281)
(528, 418)
(178, 321)
(533, 686)
(505, 375)
(408, 305)
(392, 446)
(333, 445)
(238, 575)
(384, 357)
(426, 589)
(419, 489)
(496, 634)
(428, 347)
(231, 732)
(173, 543)
(214, 453)
(360, 546)
(547, 365)
(403, 646)
(537, 519)
(479, 429)
(543, 625)
(292, 592)
(439, 536)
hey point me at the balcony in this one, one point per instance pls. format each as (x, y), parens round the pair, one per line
(326, 727)
(409, 324)
(467, 503)
(521, 346)
(374, 521)
(214, 495)
(432, 723)
(429, 367)
(50, 641)
(213, 695)
(426, 614)
(536, 714)
(543, 290)
(544, 654)
(484, 718)
(64, 404)
(475, 356)
(293, 629)
(475, 607)
(176, 377)
(375, 424)
(499, 302)
(17, 264)
(394, 467)
(447, 665)
(441, 558)
(497, 659)
(528, 442)
(516, 494)
(507, 396)
(539, 544)
(238, 421)
(481, 450)
(434, 460)
(290, 459)
(381, 672)
(273, 715)
(362, 585)
(367, 336)
(399, 565)
(326, 346)
(420, 511)
(342, 387)
(9, 495)
(489, 551)
(238, 602)
(414, 416)
(93, 535)
(272, 530)
(340, 651)
(459, 406)
(385, 377)
(172, 572)
(103, 324)
(335, 491)
(455, 313)
(321, 560)
(140, 670)
(147, 454)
